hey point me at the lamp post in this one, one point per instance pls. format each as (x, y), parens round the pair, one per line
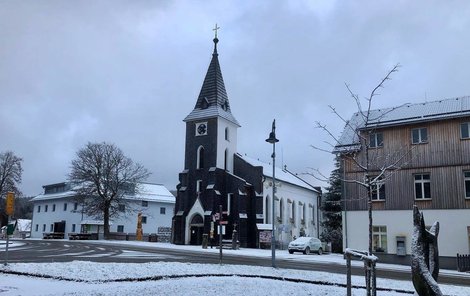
(272, 139)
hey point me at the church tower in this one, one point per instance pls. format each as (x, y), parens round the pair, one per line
(208, 181)
(211, 129)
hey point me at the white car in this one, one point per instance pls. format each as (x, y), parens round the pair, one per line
(306, 245)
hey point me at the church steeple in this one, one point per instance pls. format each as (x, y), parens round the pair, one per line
(212, 100)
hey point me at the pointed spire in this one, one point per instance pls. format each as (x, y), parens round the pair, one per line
(213, 95)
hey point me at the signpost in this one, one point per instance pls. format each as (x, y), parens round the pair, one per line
(9, 210)
(220, 234)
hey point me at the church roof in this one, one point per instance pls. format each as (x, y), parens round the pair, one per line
(281, 174)
(212, 100)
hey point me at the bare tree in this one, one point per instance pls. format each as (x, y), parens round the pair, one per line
(103, 176)
(10, 178)
(361, 153)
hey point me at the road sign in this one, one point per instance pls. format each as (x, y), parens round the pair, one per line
(10, 206)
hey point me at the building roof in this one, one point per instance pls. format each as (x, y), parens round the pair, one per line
(212, 100)
(148, 192)
(281, 175)
(403, 115)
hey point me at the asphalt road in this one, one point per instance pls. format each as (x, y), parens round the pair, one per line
(65, 251)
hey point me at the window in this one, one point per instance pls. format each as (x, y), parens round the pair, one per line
(465, 130)
(226, 134)
(73, 227)
(226, 160)
(379, 238)
(304, 213)
(292, 214)
(229, 202)
(378, 189)
(281, 209)
(144, 219)
(53, 207)
(467, 184)
(376, 140)
(200, 158)
(162, 210)
(75, 206)
(419, 135)
(65, 206)
(43, 227)
(121, 208)
(120, 228)
(39, 209)
(145, 203)
(45, 208)
(266, 211)
(313, 213)
(198, 186)
(422, 186)
(52, 228)
(37, 227)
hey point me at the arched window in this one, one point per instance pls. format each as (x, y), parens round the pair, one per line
(304, 212)
(226, 134)
(200, 158)
(266, 210)
(281, 209)
(292, 214)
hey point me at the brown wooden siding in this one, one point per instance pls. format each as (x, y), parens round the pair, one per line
(445, 157)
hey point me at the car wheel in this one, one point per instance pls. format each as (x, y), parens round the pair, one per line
(291, 252)
(320, 251)
(307, 251)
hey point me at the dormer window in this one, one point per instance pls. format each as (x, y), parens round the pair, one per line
(205, 103)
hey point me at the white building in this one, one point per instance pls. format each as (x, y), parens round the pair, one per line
(57, 211)
(296, 205)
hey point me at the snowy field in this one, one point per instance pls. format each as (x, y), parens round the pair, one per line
(164, 278)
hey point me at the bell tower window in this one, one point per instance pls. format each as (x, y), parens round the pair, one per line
(200, 158)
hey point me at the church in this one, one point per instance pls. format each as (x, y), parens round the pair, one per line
(216, 175)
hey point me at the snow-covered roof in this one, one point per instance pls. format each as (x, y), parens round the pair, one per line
(211, 112)
(23, 224)
(402, 115)
(148, 192)
(155, 192)
(281, 174)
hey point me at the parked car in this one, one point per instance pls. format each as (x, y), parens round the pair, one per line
(306, 245)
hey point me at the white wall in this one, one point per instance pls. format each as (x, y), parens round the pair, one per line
(452, 239)
(285, 191)
(129, 220)
(222, 144)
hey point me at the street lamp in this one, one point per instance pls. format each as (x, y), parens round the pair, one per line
(272, 139)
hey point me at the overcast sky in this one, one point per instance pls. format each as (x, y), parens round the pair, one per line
(128, 72)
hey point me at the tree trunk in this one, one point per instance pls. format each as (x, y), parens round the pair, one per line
(106, 222)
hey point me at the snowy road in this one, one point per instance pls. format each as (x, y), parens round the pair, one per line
(141, 252)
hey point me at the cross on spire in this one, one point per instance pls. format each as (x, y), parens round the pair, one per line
(215, 29)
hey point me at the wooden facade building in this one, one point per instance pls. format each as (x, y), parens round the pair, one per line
(428, 145)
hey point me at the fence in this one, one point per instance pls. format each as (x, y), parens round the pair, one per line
(463, 262)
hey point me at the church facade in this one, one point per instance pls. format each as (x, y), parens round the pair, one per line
(216, 175)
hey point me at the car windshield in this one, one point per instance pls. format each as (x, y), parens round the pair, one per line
(302, 239)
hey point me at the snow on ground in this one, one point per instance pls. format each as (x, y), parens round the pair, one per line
(173, 278)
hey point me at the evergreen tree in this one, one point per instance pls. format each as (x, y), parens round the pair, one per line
(331, 208)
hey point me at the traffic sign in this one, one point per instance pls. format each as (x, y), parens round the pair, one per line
(10, 206)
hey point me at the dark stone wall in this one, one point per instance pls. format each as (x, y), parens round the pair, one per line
(209, 142)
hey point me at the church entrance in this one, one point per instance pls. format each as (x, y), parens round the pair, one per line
(196, 230)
